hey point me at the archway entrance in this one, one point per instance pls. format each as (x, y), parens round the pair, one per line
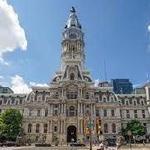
(71, 134)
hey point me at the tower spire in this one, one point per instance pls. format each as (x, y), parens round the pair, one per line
(73, 19)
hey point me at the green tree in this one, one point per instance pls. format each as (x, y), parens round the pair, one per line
(10, 124)
(2, 126)
(135, 127)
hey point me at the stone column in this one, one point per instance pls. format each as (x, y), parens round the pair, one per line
(49, 135)
(78, 109)
(59, 108)
(51, 109)
(65, 109)
(91, 111)
(62, 92)
(62, 108)
(34, 128)
(41, 128)
(94, 110)
(78, 126)
(81, 126)
(25, 127)
(64, 127)
(84, 109)
(59, 126)
(51, 126)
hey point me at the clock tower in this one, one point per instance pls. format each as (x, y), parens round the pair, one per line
(72, 53)
(73, 42)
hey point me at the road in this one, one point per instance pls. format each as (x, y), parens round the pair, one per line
(134, 147)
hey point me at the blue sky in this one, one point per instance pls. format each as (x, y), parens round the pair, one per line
(116, 31)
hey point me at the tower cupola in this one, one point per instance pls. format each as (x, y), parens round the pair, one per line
(73, 19)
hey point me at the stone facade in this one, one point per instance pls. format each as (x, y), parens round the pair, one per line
(64, 110)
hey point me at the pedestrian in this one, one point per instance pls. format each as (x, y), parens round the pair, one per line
(101, 146)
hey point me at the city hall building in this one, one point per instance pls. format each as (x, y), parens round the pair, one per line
(72, 104)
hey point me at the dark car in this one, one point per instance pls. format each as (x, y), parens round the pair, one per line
(77, 144)
(111, 142)
(9, 143)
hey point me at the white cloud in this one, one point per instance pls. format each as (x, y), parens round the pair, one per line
(96, 82)
(148, 28)
(39, 84)
(12, 35)
(1, 77)
(18, 85)
(3, 80)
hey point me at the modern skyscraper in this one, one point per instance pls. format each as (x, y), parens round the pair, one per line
(122, 86)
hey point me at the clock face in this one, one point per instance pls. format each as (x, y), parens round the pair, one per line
(72, 36)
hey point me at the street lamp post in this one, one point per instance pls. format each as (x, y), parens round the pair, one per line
(90, 127)
(130, 134)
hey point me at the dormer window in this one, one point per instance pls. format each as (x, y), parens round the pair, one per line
(72, 111)
(72, 76)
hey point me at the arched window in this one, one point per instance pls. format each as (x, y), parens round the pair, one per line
(134, 102)
(45, 128)
(127, 102)
(30, 112)
(105, 113)
(29, 128)
(72, 95)
(8, 102)
(13, 101)
(0, 102)
(55, 129)
(142, 102)
(72, 92)
(72, 111)
(104, 99)
(106, 128)
(55, 111)
(87, 95)
(37, 128)
(123, 102)
(38, 112)
(46, 112)
(113, 128)
(5, 100)
(20, 101)
(111, 98)
(87, 112)
(72, 76)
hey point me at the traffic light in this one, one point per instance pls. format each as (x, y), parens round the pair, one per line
(98, 125)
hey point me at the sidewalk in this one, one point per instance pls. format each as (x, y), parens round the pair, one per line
(126, 147)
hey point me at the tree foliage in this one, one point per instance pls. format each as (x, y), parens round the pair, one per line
(135, 127)
(10, 124)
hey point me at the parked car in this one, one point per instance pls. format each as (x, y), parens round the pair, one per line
(111, 142)
(77, 144)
